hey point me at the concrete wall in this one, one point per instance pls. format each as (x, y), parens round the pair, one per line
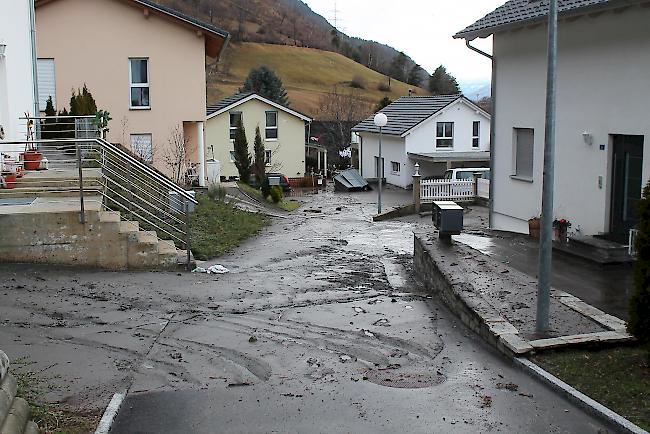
(16, 85)
(91, 42)
(288, 149)
(603, 88)
(422, 139)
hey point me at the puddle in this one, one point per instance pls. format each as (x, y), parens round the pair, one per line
(484, 245)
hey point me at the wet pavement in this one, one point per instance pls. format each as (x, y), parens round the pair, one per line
(317, 328)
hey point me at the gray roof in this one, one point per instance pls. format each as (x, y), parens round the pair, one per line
(452, 156)
(184, 17)
(226, 102)
(520, 12)
(406, 113)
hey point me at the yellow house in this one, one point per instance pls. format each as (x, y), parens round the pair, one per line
(282, 130)
(143, 62)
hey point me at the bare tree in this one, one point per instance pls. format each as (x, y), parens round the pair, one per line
(125, 130)
(175, 155)
(340, 110)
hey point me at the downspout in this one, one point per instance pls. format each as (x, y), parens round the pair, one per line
(493, 88)
(308, 148)
(32, 33)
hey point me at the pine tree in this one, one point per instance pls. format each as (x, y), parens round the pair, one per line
(443, 83)
(639, 322)
(49, 128)
(82, 103)
(398, 67)
(265, 82)
(242, 157)
(259, 167)
(415, 75)
(384, 102)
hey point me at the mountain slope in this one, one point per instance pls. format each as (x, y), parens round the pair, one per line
(307, 73)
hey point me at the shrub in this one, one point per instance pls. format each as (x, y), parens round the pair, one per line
(358, 82)
(217, 193)
(276, 194)
(266, 188)
(384, 87)
(639, 323)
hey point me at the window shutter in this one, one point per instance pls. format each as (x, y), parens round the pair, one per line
(46, 82)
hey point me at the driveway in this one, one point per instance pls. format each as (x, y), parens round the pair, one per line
(317, 328)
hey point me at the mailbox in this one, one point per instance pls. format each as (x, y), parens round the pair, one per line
(447, 218)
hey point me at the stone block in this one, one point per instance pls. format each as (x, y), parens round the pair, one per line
(515, 343)
(17, 418)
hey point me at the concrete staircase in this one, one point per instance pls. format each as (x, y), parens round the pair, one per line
(49, 231)
(14, 412)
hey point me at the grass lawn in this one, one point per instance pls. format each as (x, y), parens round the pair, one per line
(618, 378)
(51, 418)
(218, 227)
(285, 204)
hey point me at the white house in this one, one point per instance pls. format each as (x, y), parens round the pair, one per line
(16, 71)
(282, 129)
(437, 132)
(603, 127)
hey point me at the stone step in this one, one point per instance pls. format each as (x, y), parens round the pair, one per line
(127, 227)
(109, 217)
(147, 237)
(595, 249)
(166, 246)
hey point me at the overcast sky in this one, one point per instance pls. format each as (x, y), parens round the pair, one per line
(423, 29)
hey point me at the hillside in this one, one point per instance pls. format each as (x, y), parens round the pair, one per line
(293, 23)
(308, 74)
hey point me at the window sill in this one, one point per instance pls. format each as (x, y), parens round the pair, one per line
(522, 178)
(270, 140)
(140, 108)
(395, 173)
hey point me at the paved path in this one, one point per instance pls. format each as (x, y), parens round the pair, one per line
(317, 328)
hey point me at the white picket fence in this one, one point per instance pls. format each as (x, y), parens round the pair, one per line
(457, 191)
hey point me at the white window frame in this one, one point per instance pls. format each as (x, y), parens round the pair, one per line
(147, 158)
(476, 138)
(133, 85)
(517, 174)
(232, 130)
(268, 157)
(444, 135)
(273, 127)
(394, 164)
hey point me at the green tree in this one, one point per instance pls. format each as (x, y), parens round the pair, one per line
(415, 75)
(639, 322)
(398, 67)
(265, 82)
(49, 127)
(259, 167)
(384, 102)
(82, 102)
(443, 83)
(242, 157)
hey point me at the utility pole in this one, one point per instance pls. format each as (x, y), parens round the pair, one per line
(546, 235)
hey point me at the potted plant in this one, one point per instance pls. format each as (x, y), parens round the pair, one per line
(560, 227)
(533, 227)
(31, 157)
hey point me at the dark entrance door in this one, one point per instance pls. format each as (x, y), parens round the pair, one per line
(626, 186)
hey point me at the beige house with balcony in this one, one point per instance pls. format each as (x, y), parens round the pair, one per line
(143, 62)
(282, 130)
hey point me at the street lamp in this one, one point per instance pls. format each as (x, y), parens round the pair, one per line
(380, 120)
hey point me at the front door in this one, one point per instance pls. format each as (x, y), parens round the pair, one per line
(627, 165)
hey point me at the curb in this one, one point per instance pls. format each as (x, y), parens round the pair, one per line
(112, 408)
(580, 399)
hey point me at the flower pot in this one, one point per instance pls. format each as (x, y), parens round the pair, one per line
(32, 159)
(533, 227)
(10, 180)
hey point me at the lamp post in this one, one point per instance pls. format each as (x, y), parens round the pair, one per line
(380, 120)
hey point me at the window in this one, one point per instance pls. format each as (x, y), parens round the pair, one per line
(271, 125)
(232, 156)
(141, 145)
(267, 157)
(444, 135)
(476, 133)
(395, 166)
(46, 82)
(139, 79)
(524, 140)
(235, 119)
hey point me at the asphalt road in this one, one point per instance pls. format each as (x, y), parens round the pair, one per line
(317, 328)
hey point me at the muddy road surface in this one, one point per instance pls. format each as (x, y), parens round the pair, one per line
(318, 327)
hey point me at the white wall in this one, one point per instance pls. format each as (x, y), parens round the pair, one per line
(422, 139)
(392, 149)
(603, 88)
(16, 86)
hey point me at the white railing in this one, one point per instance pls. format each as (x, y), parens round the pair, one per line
(445, 189)
(483, 188)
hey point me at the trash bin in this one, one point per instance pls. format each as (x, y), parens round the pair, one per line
(447, 217)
